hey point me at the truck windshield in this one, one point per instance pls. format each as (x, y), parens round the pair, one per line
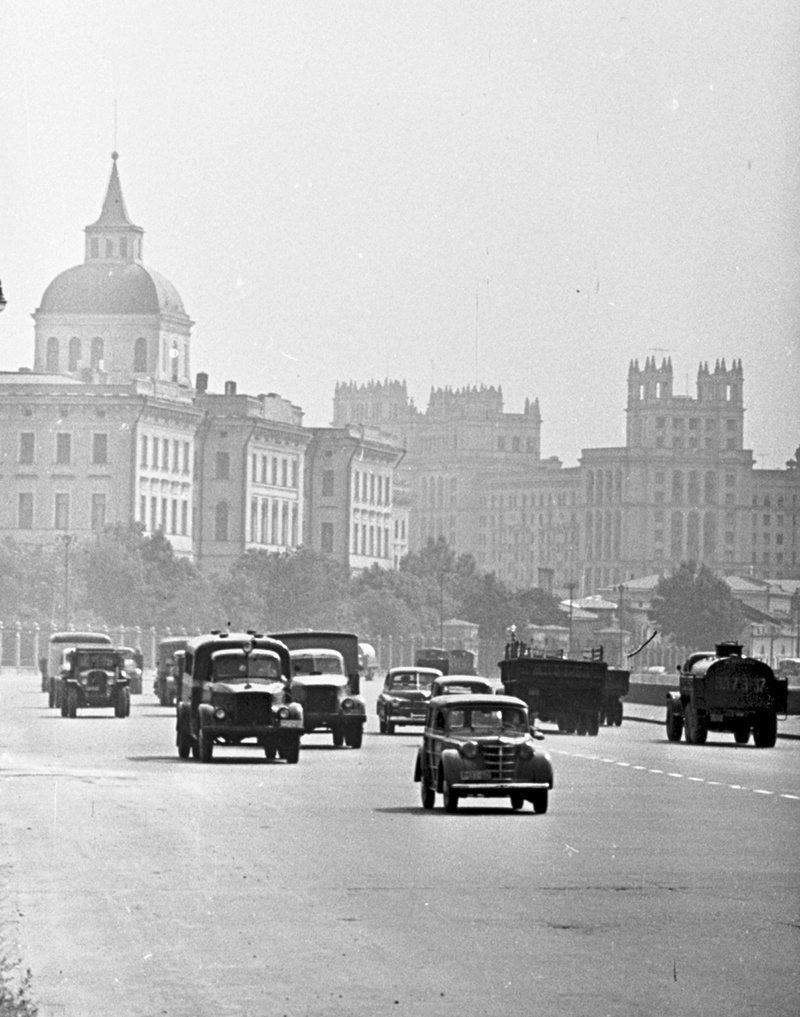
(485, 720)
(789, 668)
(103, 661)
(246, 668)
(319, 663)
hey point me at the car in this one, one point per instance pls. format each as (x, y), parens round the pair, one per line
(133, 663)
(460, 684)
(482, 746)
(234, 689)
(95, 677)
(406, 691)
(164, 687)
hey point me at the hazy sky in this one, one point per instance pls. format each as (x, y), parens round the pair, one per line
(524, 194)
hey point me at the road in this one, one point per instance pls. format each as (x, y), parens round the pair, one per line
(663, 880)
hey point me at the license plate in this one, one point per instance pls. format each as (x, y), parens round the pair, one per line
(291, 723)
(477, 774)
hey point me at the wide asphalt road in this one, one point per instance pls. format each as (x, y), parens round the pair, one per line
(663, 880)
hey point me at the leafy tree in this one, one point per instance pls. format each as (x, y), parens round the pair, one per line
(32, 584)
(695, 607)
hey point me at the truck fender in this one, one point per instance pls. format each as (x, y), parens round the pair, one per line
(450, 767)
(543, 769)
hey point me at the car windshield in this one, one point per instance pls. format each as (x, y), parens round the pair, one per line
(409, 680)
(318, 663)
(486, 720)
(240, 668)
(103, 661)
(789, 668)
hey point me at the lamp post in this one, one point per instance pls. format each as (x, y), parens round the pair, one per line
(67, 539)
(571, 587)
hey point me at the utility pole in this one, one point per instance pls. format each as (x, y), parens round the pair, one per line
(571, 587)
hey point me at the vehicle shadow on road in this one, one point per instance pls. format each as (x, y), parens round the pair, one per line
(251, 760)
(470, 810)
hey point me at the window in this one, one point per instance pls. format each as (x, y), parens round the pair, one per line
(140, 356)
(123, 247)
(143, 461)
(327, 483)
(74, 358)
(99, 449)
(176, 456)
(25, 511)
(184, 517)
(27, 445)
(94, 248)
(284, 472)
(63, 448)
(294, 473)
(326, 538)
(221, 521)
(174, 527)
(223, 467)
(97, 353)
(109, 248)
(154, 514)
(186, 457)
(165, 454)
(51, 361)
(61, 514)
(174, 362)
(98, 511)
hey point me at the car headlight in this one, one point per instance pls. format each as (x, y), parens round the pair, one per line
(348, 704)
(526, 751)
(469, 750)
(84, 680)
(284, 713)
(219, 713)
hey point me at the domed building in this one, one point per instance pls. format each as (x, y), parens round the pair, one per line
(112, 318)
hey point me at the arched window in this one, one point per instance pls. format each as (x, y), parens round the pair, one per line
(51, 363)
(140, 356)
(221, 521)
(174, 362)
(74, 361)
(97, 352)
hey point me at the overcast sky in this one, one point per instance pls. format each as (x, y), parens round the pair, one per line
(523, 194)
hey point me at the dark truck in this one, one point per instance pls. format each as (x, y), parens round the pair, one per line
(724, 691)
(164, 686)
(234, 688)
(96, 677)
(326, 682)
(577, 695)
(454, 661)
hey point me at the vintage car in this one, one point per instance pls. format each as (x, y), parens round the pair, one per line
(460, 684)
(53, 665)
(164, 683)
(320, 683)
(95, 677)
(133, 663)
(481, 746)
(405, 695)
(234, 688)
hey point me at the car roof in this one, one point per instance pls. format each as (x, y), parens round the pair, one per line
(486, 699)
(460, 679)
(410, 669)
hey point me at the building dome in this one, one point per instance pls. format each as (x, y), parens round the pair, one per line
(111, 288)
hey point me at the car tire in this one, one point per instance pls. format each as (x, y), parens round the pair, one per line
(271, 748)
(389, 727)
(426, 793)
(381, 723)
(71, 702)
(517, 801)
(184, 739)
(51, 697)
(338, 736)
(289, 750)
(354, 737)
(540, 800)
(206, 746)
(450, 798)
(618, 713)
(674, 724)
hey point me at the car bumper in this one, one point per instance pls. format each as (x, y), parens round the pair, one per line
(490, 788)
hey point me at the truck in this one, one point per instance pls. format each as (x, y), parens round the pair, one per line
(726, 691)
(577, 695)
(57, 660)
(326, 681)
(454, 661)
(164, 687)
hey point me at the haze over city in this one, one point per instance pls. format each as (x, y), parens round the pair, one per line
(512, 194)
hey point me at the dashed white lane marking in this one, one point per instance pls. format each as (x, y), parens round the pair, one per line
(681, 776)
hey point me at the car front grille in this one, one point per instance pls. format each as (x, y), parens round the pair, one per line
(500, 760)
(320, 700)
(252, 708)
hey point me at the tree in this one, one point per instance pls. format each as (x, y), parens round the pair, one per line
(695, 607)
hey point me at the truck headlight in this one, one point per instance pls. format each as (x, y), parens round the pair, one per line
(219, 713)
(348, 704)
(525, 751)
(284, 713)
(469, 750)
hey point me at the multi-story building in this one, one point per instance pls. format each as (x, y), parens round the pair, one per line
(682, 487)
(350, 484)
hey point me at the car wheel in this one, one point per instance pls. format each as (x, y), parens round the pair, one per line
(381, 723)
(539, 799)
(618, 713)
(389, 727)
(206, 746)
(290, 750)
(195, 748)
(184, 739)
(355, 737)
(450, 798)
(517, 801)
(71, 702)
(338, 737)
(51, 697)
(426, 793)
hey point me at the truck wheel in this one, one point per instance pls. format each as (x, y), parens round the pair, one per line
(206, 746)
(618, 713)
(270, 748)
(338, 736)
(426, 793)
(58, 696)
(674, 724)
(517, 801)
(765, 731)
(741, 734)
(696, 729)
(290, 750)
(389, 727)
(450, 798)
(593, 724)
(570, 723)
(582, 725)
(539, 799)
(51, 696)
(184, 739)
(71, 702)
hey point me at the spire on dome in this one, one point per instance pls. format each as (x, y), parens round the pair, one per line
(114, 213)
